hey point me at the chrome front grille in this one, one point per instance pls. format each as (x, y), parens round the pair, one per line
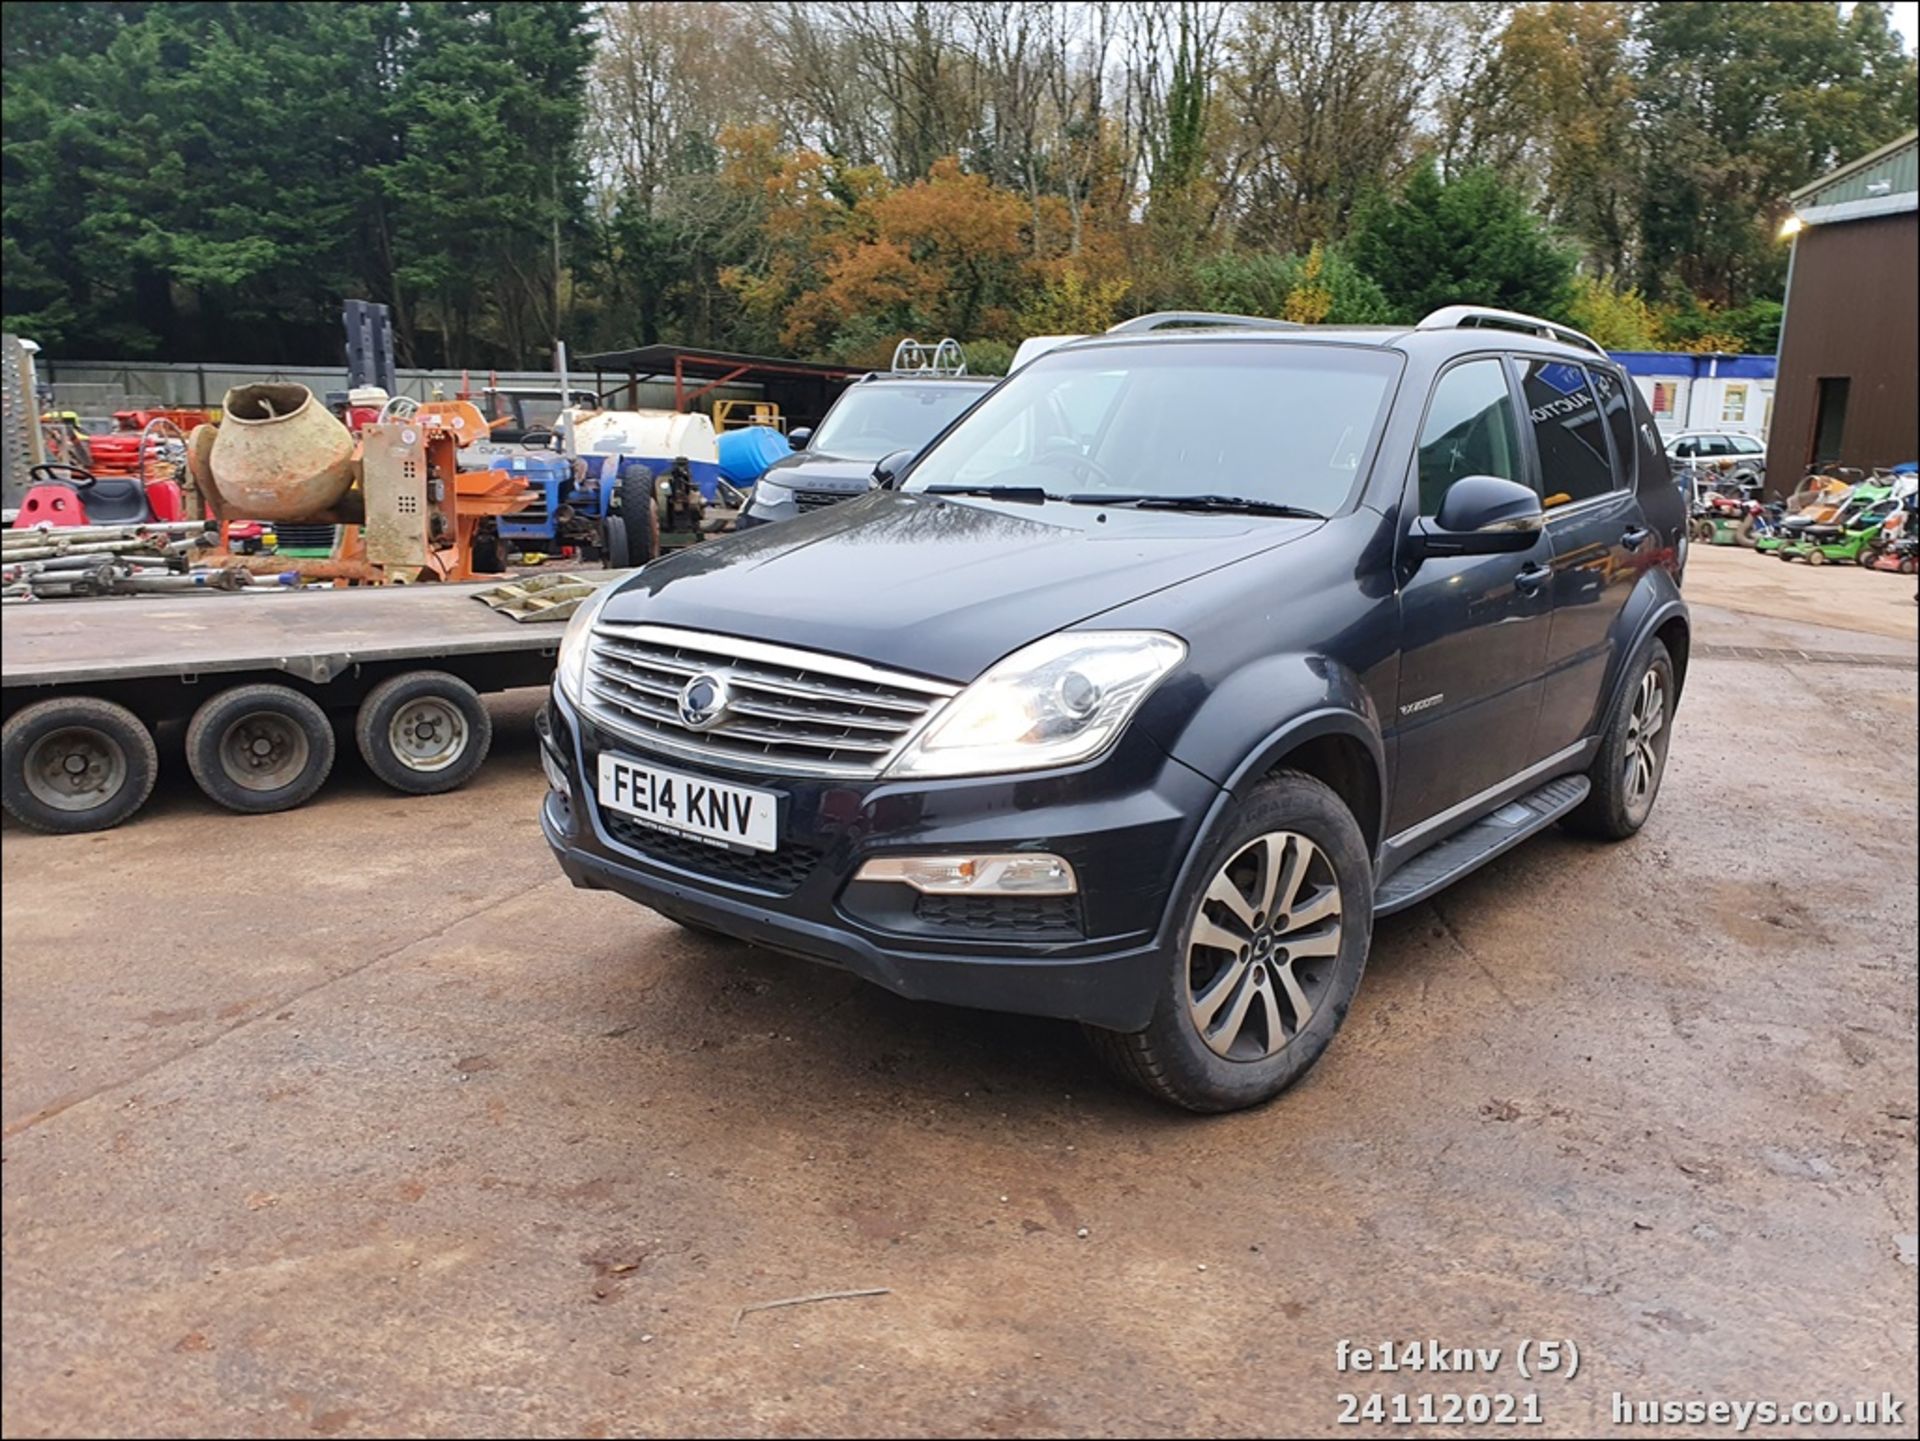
(790, 711)
(819, 499)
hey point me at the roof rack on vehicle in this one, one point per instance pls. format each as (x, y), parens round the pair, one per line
(1472, 317)
(914, 357)
(1169, 319)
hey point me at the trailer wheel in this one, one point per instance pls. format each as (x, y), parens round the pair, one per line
(260, 748)
(639, 515)
(75, 764)
(424, 732)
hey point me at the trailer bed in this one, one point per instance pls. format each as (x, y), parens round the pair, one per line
(269, 684)
(312, 635)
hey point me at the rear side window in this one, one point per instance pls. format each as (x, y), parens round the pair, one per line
(1614, 404)
(1470, 430)
(1567, 429)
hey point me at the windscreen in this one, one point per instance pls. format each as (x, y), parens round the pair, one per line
(1289, 425)
(872, 421)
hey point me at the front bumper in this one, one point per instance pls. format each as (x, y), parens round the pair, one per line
(1126, 823)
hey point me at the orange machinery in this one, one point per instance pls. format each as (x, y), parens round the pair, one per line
(411, 513)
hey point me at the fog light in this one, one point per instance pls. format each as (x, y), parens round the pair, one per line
(556, 777)
(1023, 874)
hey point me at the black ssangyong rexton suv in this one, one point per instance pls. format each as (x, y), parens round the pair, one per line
(1158, 675)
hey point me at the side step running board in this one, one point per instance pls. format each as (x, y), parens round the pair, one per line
(1436, 869)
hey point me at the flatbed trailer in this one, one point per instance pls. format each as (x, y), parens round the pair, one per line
(259, 677)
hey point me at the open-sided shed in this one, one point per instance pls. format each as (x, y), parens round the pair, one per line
(802, 389)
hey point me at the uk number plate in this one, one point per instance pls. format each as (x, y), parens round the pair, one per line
(690, 805)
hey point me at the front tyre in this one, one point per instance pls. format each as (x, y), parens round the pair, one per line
(1633, 754)
(1277, 920)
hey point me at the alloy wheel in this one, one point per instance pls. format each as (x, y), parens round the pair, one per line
(1646, 745)
(1264, 946)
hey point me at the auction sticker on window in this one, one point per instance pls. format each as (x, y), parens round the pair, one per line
(689, 805)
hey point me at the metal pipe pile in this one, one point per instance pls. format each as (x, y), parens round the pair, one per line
(48, 562)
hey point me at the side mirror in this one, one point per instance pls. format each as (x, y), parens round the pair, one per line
(799, 437)
(889, 468)
(1481, 515)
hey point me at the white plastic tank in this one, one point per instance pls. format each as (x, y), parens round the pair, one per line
(654, 433)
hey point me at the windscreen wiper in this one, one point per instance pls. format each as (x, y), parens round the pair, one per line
(1031, 493)
(1238, 504)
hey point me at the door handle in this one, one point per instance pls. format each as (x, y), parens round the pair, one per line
(1532, 578)
(1634, 536)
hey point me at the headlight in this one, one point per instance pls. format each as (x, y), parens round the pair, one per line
(1055, 702)
(571, 665)
(767, 492)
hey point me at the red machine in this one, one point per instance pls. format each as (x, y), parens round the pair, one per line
(133, 477)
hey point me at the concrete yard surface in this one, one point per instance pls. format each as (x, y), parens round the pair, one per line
(358, 1120)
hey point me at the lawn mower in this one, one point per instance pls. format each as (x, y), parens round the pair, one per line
(1847, 534)
(141, 480)
(1897, 546)
(1818, 500)
(1726, 509)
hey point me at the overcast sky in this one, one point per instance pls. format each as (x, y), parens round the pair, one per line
(1906, 19)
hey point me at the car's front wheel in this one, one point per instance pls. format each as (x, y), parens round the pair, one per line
(1277, 921)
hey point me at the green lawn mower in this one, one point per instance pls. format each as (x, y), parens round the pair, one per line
(1843, 539)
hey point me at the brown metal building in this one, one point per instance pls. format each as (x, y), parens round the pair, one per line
(1850, 344)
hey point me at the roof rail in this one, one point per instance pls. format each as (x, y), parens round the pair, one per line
(1169, 319)
(1472, 317)
(914, 357)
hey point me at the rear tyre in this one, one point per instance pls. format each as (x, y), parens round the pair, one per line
(260, 748)
(1633, 754)
(423, 732)
(75, 764)
(639, 517)
(1275, 928)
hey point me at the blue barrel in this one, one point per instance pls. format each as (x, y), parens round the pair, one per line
(746, 453)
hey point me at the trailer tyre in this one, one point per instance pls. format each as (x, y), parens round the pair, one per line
(424, 732)
(639, 516)
(260, 748)
(76, 764)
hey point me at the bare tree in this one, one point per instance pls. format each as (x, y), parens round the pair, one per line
(911, 52)
(1327, 99)
(822, 94)
(1078, 42)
